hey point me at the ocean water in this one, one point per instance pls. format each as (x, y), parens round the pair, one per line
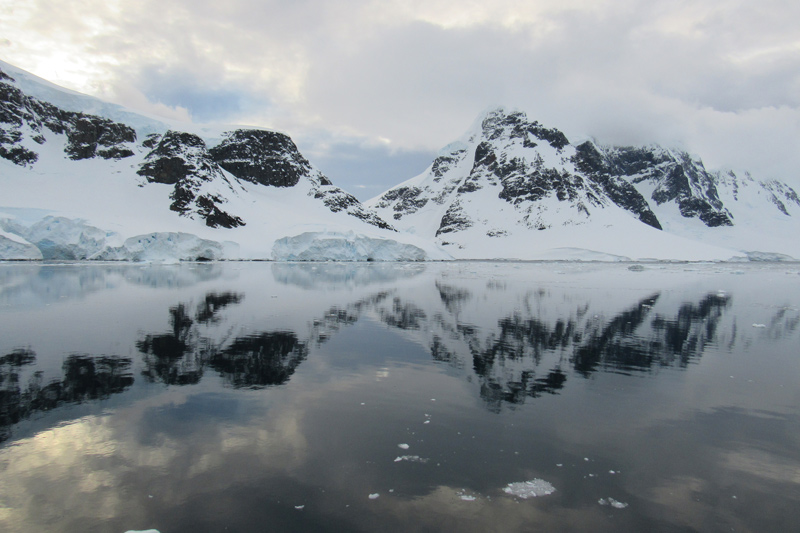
(465, 396)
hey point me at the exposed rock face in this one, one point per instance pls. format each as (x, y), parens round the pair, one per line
(677, 177)
(263, 157)
(591, 163)
(181, 159)
(88, 136)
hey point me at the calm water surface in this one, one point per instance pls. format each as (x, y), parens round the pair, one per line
(399, 397)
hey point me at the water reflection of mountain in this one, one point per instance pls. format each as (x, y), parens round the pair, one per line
(526, 356)
(181, 355)
(85, 378)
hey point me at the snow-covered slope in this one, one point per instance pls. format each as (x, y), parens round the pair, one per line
(512, 188)
(82, 179)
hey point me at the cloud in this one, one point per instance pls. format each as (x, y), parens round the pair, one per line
(721, 77)
(360, 167)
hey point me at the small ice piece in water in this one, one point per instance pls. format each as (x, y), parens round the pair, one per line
(559, 465)
(374, 496)
(530, 489)
(612, 502)
(427, 422)
(403, 446)
(585, 458)
(468, 498)
(611, 472)
(299, 507)
(142, 531)
(759, 325)
(411, 459)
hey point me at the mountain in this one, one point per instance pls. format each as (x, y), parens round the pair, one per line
(84, 179)
(513, 188)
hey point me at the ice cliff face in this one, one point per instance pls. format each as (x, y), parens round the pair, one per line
(132, 176)
(514, 188)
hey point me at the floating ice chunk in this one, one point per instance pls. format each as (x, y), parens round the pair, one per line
(142, 531)
(374, 496)
(411, 459)
(299, 507)
(347, 246)
(468, 498)
(403, 446)
(759, 325)
(612, 502)
(529, 489)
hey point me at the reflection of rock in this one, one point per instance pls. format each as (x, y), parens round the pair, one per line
(403, 315)
(180, 356)
(213, 303)
(259, 360)
(86, 378)
(165, 353)
(614, 345)
(452, 297)
(686, 335)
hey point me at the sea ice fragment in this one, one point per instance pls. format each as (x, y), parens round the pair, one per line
(612, 502)
(529, 489)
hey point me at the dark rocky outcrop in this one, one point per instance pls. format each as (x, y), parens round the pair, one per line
(591, 163)
(88, 136)
(260, 156)
(182, 160)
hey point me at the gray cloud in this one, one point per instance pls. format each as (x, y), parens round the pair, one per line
(388, 81)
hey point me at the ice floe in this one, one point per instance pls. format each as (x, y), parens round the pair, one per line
(411, 459)
(612, 502)
(530, 489)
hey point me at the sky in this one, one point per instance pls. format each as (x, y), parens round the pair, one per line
(370, 90)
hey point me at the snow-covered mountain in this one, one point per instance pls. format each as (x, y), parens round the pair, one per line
(83, 179)
(512, 188)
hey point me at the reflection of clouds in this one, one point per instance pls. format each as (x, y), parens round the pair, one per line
(679, 497)
(69, 456)
(442, 509)
(78, 469)
(764, 465)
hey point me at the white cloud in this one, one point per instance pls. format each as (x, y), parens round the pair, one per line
(720, 76)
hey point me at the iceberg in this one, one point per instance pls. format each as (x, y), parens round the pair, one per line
(347, 246)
